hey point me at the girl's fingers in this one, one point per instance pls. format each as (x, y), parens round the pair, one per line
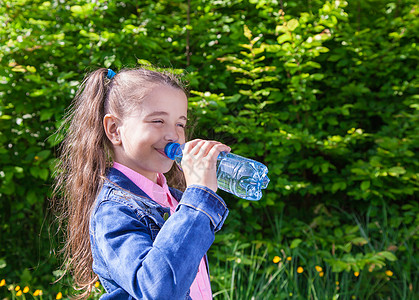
(216, 150)
(199, 148)
(206, 147)
(190, 146)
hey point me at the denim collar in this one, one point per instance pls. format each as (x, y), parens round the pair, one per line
(118, 178)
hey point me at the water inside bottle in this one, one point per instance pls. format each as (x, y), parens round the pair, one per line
(241, 176)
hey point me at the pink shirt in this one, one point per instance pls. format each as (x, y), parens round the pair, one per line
(159, 192)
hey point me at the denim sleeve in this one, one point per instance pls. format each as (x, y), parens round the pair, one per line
(215, 210)
(165, 268)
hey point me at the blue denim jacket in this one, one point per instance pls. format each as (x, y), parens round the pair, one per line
(139, 255)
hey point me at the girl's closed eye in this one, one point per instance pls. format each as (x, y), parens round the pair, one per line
(162, 122)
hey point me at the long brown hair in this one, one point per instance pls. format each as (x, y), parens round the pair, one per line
(86, 154)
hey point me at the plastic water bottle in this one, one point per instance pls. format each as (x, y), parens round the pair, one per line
(237, 175)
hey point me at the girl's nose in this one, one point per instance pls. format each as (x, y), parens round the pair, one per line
(171, 136)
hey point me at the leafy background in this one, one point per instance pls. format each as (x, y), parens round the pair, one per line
(325, 93)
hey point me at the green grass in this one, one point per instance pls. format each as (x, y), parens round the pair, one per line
(372, 257)
(338, 255)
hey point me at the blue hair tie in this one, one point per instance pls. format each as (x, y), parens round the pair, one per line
(110, 74)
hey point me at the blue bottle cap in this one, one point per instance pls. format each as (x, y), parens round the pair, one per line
(171, 149)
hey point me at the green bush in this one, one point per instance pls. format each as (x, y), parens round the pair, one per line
(325, 93)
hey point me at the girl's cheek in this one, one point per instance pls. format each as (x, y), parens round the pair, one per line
(182, 137)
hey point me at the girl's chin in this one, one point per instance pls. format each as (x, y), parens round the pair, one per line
(166, 168)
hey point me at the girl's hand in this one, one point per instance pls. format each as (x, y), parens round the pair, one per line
(199, 162)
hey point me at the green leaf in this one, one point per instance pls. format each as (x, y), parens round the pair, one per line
(234, 98)
(3, 263)
(37, 93)
(19, 69)
(247, 32)
(295, 243)
(58, 273)
(338, 266)
(272, 48)
(26, 276)
(347, 247)
(317, 76)
(359, 241)
(34, 171)
(396, 171)
(365, 185)
(144, 62)
(31, 69)
(76, 9)
(43, 174)
(338, 232)
(31, 197)
(46, 114)
(292, 24)
(351, 229)
(387, 255)
(44, 154)
(407, 207)
(284, 38)
(322, 49)
(18, 170)
(338, 186)
(313, 64)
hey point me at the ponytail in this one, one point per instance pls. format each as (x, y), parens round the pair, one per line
(80, 172)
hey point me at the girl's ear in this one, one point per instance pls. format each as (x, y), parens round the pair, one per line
(110, 124)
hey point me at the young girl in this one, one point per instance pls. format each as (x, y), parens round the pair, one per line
(125, 226)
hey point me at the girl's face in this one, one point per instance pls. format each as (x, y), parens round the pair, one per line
(143, 134)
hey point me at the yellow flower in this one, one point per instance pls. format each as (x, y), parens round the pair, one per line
(300, 270)
(36, 157)
(37, 293)
(321, 274)
(19, 293)
(319, 269)
(337, 282)
(389, 273)
(97, 284)
(3, 282)
(276, 259)
(26, 289)
(59, 296)
(289, 258)
(356, 274)
(17, 288)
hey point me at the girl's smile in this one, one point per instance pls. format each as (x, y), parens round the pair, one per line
(161, 151)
